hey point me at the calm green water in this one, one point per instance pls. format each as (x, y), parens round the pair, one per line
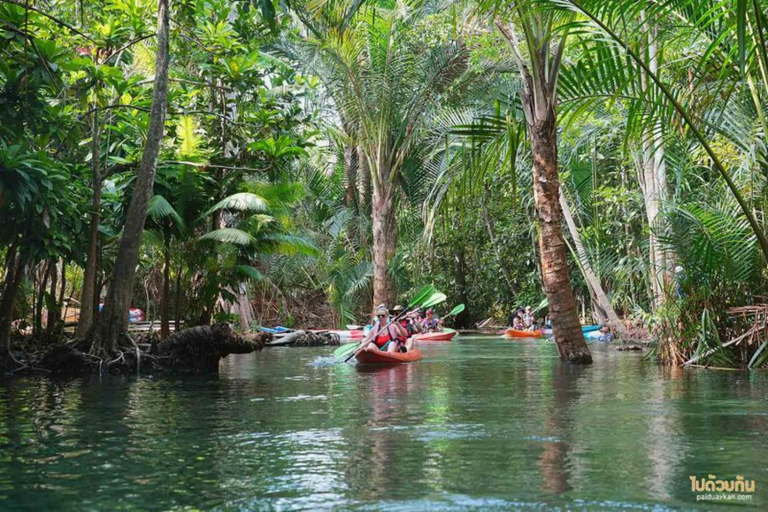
(479, 423)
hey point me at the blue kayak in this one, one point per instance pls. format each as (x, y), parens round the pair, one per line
(276, 330)
(588, 330)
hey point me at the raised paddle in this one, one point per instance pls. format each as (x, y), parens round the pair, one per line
(434, 300)
(455, 311)
(421, 296)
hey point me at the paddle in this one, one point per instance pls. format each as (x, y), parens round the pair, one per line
(455, 311)
(423, 294)
(435, 299)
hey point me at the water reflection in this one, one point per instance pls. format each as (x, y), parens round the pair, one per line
(478, 423)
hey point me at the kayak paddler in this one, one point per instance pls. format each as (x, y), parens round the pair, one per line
(383, 336)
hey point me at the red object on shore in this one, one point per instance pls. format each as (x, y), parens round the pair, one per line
(435, 336)
(515, 333)
(380, 357)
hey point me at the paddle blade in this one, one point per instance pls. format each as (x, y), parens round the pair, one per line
(457, 309)
(423, 294)
(435, 299)
(344, 350)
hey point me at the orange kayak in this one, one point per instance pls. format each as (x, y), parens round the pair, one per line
(515, 333)
(435, 336)
(380, 357)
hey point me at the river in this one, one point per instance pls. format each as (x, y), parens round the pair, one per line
(480, 423)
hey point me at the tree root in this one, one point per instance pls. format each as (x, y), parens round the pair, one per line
(197, 349)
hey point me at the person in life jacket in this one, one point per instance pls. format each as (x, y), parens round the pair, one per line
(430, 323)
(386, 337)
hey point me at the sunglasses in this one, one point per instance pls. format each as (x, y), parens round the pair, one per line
(382, 316)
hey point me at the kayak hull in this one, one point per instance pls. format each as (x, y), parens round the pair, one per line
(380, 357)
(515, 333)
(435, 336)
(589, 328)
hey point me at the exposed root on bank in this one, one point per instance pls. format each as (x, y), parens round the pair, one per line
(197, 349)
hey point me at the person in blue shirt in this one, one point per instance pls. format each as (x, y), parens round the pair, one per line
(606, 336)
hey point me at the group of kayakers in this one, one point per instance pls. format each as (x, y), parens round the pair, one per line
(396, 336)
(524, 319)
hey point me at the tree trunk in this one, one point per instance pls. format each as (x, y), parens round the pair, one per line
(165, 321)
(13, 275)
(384, 240)
(177, 302)
(363, 182)
(63, 288)
(538, 97)
(350, 175)
(113, 322)
(85, 319)
(244, 309)
(459, 266)
(40, 299)
(554, 255)
(653, 182)
(53, 306)
(595, 288)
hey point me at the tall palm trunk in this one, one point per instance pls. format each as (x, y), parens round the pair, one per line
(653, 183)
(384, 238)
(554, 254)
(85, 320)
(350, 175)
(363, 182)
(539, 97)
(113, 322)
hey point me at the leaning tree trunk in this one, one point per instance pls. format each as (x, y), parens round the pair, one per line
(538, 97)
(384, 240)
(113, 322)
(595, 288)
(87, 299)
(566, 327)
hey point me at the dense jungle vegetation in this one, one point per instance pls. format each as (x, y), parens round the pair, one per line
(297, 163)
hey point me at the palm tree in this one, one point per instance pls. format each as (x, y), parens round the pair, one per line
(538, 55)
(385, 85)
(734, 36)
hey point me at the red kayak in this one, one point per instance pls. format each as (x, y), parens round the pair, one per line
(435, 336)
(381, 357)
(515, 333)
